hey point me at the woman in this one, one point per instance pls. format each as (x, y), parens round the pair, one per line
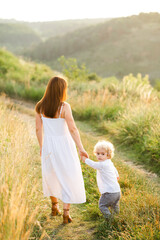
(61, 170)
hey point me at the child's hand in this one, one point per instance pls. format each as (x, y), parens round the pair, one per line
(117, 178)
(83, 159)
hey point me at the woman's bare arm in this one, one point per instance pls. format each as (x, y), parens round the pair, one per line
(73, 129)
(39, 130)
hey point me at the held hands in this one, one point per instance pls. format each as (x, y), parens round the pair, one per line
(83, 154)
(83, 159)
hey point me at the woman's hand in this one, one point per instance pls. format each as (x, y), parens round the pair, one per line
(83, 159)
(83, 153)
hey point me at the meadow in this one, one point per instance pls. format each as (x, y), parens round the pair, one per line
(125, 111)
(127, 108)
(25, 213)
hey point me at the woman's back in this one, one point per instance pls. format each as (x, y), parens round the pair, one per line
(61, 170)
(54, 127)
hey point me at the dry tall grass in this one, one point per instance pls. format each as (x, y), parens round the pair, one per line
(17, 185)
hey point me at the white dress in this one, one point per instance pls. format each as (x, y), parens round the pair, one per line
(61, 169)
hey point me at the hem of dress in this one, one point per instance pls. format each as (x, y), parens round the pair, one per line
(70, 202)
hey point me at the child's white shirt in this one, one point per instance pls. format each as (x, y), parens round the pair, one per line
(106, 175)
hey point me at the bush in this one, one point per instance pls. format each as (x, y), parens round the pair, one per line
(71, 69)
(95, 113)
(23, 79)
(32, 93)
(157, 85)
(93, 76)
(140, 130)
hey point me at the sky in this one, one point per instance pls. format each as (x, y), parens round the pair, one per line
(53, 10)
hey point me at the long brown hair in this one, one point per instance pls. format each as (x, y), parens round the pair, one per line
(55, 94)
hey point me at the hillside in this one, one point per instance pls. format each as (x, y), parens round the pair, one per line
(23, 79)
(55, 28)
(59, 28)
(116, 47)
(15, 37)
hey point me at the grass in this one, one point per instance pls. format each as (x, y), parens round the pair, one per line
(128, 111)
(139, 215)
(18, 162)
(23, 79)
(138, 130)
(25, 213)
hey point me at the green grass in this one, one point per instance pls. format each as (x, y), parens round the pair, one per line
(22, 79)
(128, 111)
(139, 215)
(138, 130)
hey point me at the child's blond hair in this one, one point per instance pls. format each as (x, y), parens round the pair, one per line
(107, 146)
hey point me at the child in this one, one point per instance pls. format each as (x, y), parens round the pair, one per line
(107, 177)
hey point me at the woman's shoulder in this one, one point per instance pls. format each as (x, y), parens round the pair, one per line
(66, 109)
(66, 105)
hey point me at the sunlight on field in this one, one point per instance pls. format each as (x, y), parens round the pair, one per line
(25, 212)
(114, 93)
(128, 110)
(18, 186)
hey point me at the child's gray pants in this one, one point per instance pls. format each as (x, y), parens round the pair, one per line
(109, 200)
